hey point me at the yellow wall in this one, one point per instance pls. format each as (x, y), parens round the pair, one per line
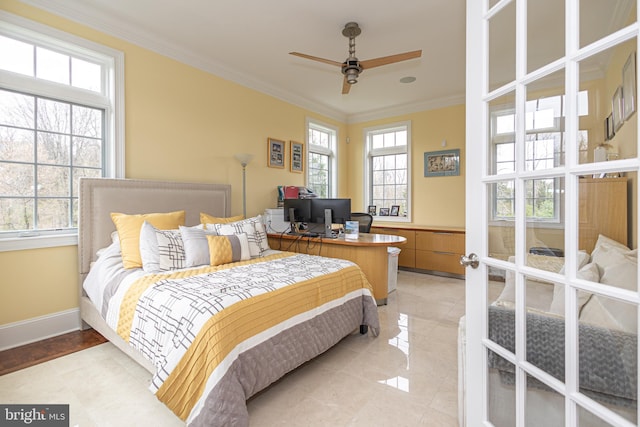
(435, 201)
(182, 124)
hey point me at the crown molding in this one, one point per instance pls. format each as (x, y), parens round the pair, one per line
(400, 110)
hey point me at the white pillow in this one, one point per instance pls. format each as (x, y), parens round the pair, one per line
(589, 272)
(196, 247)
(609, 312)
(539, 293)
(608, 252)
(161, 250)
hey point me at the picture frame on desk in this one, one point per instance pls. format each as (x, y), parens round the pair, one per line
(372, 210)
(395, 210)
(384, 211)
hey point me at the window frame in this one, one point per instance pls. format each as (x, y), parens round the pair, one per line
(369, 152)
(331, 152)
(111, 100)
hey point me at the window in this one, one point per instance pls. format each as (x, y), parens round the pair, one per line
(544, 149)
(387, 171)
(60, 100)
(321, 159)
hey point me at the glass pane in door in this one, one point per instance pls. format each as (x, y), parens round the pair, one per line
(501, 231)
(608, 330)
(545, 33)
(607, 122)
(502, 47)
(539, 396)
(501, 391)
(599, 19)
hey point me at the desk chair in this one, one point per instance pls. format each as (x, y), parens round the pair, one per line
(364, 219)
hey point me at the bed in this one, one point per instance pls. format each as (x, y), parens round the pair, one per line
(607, 336)
(211, 334)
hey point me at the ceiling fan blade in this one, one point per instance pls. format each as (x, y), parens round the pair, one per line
(345, 86)
(315, 58)
(376, 62)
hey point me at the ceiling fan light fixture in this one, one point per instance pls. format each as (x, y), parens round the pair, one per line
(351, 74)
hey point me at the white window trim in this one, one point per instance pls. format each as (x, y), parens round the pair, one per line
(18, 26)
(367, 174)
(331, 152)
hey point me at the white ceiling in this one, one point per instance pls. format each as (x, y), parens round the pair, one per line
(249, 42)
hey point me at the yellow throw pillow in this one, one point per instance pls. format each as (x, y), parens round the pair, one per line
(227, 249)
(129, 226)
(208, 219)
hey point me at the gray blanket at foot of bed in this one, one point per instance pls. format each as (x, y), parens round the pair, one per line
(607, 358)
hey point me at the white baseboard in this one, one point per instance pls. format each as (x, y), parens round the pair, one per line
(39, 328)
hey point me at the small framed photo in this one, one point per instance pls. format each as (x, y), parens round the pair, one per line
(442, 163)
(608, 128)
(372, 210)
(395, 210)
(297, 157)
(384, 211)
(616, 109)
(629, 87)
(275, 153)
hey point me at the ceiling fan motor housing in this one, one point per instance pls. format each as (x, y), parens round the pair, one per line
(351, 69)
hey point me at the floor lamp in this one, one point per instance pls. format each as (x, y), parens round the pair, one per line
(244, 160)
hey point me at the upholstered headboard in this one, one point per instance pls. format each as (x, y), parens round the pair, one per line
(101, 196)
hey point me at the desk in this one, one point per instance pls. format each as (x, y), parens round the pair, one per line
(369, 251)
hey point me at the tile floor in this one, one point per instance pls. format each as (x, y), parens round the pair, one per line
(405, 377)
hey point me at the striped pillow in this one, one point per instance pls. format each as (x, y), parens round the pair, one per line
(227, 249)
(161, 250)
(254, 229)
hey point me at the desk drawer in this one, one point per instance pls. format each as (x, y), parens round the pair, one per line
(407, 257)
(445, 262)
(440, 241)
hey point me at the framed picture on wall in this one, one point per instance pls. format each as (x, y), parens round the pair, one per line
(442, 163)
(629, 87)
(608, 128)
(297, 157)
(275, 153)
(616, 109)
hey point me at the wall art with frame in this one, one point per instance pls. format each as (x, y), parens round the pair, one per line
(629, 87)
(442, 163)
(275, 153)
(297, 157)
(616, 109)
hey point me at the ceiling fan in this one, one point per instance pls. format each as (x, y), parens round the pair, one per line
(352, 67)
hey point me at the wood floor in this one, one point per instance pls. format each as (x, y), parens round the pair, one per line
(31, 354)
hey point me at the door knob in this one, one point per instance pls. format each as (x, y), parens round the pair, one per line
(470, 260)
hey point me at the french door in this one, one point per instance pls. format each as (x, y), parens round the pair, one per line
(550, 333)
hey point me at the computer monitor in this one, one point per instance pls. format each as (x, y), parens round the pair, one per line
(301, 210)
(340, 210)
